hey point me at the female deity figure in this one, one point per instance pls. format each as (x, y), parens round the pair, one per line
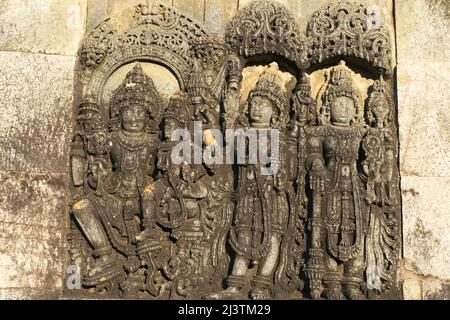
(175, 197)
(378, 166)
(339, 211)
(262, 208)
(109, 218)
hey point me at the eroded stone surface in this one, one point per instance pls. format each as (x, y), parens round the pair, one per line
(218, 13)
(114, 6)
(424, 121)
(423, 87)
(35, 111)
(424, 132)
(28, 294)
(435, 289)
(192, 8)
(96, 13)
(426, 225)
(31, 257)
(422, 30)
(37, 199)
(47, 26)
(412, 289)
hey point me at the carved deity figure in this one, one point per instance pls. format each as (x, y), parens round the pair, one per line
(262, 208)
(206, 80)
(175, 197)
(109, 218)
(339, 210)
(312, 207)
(378, 167)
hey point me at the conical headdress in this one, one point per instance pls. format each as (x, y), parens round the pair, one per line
(269, 86)
(138, 89)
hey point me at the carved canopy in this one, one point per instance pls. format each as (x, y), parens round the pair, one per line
(347, 29)
(157, 34)
(266, 27)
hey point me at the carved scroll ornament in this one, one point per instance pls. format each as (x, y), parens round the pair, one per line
(345, 28)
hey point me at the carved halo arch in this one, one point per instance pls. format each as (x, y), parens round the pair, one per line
(267, 29)
(157, 34)
(160, 56)
(346, 30)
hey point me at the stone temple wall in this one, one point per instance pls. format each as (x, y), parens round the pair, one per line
(39, 41)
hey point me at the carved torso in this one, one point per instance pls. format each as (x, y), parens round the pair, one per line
(131, 162)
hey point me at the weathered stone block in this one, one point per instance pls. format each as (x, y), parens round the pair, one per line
(412, 289)
(422, 83)
(422, 30)
(96, 13)
(38, 199)
(193, 8)
(423, 94)
(46, 26)
(426, 203)
(435, 289)
(29, 294)
(115, 6)
(35, 112)
(31, 257)
(218, 13)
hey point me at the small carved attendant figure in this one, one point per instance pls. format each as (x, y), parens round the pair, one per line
(168, 205)
(378, 165)
(339, 210)
(262, 209)
(89, 149)
(175, 200)
(109, 219)
(379, 145)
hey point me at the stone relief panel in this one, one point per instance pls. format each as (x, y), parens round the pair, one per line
(260, 165)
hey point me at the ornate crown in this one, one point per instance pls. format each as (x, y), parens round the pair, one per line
(211, 51)
(178, 109)
(88, 106)
(138, 89)
(340, 84)
(379, 91)
(269, 86)
(304, 86)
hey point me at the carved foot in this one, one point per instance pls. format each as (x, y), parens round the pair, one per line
(146, 234)
(315, 294)
(353, 293)
(102, 263)
(260, 294)
(231, 293)
(105, 269)
(335, 293)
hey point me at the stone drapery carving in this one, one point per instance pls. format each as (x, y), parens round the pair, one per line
(324, 224)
